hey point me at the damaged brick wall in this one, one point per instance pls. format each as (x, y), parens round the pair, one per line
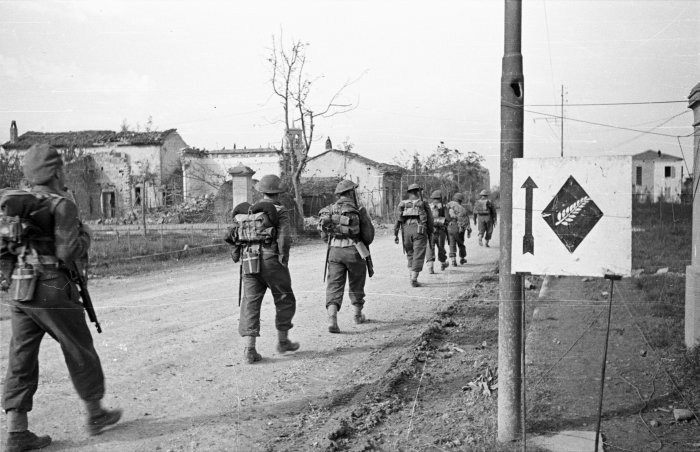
(100, 184)
(82, 184)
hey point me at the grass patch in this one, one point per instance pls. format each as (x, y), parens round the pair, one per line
(662, 308)
(127, 254)
(662, 236)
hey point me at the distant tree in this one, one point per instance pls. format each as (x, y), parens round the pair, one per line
(10, 171)
(125, 126)
(292, 87)
(446, 169)
(348, 145)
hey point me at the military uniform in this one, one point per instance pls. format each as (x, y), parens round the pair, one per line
(484, 217)
(54, 309)
(459, 223)
(441, 219)
(344, 259)
(416, 223)
(273, 274)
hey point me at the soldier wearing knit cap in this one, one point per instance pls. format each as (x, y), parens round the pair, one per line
(54, 309)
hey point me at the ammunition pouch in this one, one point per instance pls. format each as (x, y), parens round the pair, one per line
(250, 261)
(10, 229)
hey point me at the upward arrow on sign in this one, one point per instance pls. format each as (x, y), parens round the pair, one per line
(528, 239)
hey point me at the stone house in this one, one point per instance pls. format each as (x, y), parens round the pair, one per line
(112, 173)
(378, 183)
(657, 175)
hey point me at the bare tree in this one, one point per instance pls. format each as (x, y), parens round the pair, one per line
(292, 86)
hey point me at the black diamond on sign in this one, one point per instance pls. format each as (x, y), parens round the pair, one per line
(572, 214)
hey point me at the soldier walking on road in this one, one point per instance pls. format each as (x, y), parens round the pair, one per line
(415, 223)
(49, 304)
(266, 257)
(441, 219)
(484, 217)
(458, 224)
(349, 231)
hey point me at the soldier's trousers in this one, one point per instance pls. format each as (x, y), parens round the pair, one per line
(415, 245)
(342, 262)
(437, 241)
(274, 276)
(485, 226)
(55, 310)
(456, 240)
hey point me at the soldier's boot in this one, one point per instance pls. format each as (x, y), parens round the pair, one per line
(414, 279)
(463, 260)
(487, 244)
(431, 270)
(26, 440)
(250, 355)
(99, 418)
(359, 316)
(454, 261)
(19, 438)
(284, 344)
(333, 319)
(444, 265)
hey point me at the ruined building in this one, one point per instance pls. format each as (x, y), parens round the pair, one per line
(112, 173)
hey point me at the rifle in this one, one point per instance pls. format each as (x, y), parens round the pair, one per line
(368, 258)
(328, 253)
(81, 281)
(240, 283)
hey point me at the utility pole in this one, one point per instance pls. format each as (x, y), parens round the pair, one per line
(692, 271)
(562, 120)
(510, 287)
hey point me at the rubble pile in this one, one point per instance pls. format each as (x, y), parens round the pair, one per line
(198, 210)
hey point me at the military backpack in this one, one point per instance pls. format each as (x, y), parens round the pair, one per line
(481, 207)
(438, 212)
(412, 208)
(341, 220)
(257, 225)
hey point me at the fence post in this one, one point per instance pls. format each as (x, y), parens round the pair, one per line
(128, 240)
(162, 244)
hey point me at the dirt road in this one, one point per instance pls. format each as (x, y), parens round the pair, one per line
(172, 354)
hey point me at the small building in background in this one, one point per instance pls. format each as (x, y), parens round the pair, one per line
(378, 183)
(205, 172)
(657, 176)
(112, 173)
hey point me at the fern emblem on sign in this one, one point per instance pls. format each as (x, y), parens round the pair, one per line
(572, 214)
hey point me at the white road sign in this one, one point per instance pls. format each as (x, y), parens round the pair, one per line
(572, 216)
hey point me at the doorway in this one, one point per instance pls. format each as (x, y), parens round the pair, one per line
(108, 204)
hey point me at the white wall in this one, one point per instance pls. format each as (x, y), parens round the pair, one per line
(654, 181)
(368, 177)
(214, 168)
(668, 187)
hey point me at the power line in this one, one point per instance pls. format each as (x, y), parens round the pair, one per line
(602, 104)
(598, 123)
(636, 137)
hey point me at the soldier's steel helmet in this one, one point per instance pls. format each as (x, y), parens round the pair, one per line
(345, 185)
(270, 184)
(437, 194)
(483, 193)
(413, 187)
(458, 197)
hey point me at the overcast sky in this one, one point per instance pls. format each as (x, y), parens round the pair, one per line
(427, 71)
